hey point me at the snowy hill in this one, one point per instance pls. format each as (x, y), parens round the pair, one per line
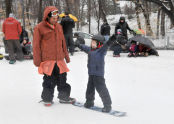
(143, 87)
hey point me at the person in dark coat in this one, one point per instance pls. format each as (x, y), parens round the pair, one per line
(68, 24)
(96, 54)
(122, 24)
(24, 41)
(24, 36)
(105, 30)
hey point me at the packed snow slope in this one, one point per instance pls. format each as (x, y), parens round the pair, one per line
(142, 87)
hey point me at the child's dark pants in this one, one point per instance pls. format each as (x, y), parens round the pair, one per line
(98, 83)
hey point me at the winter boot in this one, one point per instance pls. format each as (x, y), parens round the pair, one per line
(12, 61)
(106, 109)
(47, 104)
(89, 104)
(68, 100)
(72, 53)
(130, 55)
(134, 54)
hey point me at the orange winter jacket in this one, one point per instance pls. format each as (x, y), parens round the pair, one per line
(12, 29)
(49, 43)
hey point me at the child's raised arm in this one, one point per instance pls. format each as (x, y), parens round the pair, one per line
(85, 48)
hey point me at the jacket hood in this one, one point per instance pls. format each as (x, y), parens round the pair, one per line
(10, 19)
(122, 18)
(47, 11)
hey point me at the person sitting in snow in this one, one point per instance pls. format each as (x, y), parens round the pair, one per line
(146, 51)
(24, 41)
(143, 50)
(133, 49)
(96, 54)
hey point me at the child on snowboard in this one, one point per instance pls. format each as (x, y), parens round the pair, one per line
(96, 54)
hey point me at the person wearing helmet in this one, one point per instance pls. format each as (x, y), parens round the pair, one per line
(120, 44)
(123, 25)
(96, 54)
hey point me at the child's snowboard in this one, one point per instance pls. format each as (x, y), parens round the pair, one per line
(99, 109)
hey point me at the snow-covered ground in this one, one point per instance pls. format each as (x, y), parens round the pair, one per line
(143, 87)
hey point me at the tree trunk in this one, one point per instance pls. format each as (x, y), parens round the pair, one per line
(102, 11)
(137, 15)
(77, 14)
(40, 11)
(99, 16)
(23, 14)
(158, 23)
(28, 3)
(89, 15)
(81, 14)
(163, 24)
(144, 8)
(8, 7)
(68, 6)
(115, 10)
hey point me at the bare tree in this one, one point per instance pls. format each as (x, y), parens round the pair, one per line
(68, 6)
(167, 7)
(102, 3)
(163, 24)
(145, 10)
(40, 11)
(158, 22)
(8, 7)
(77, 11)
(137, 11)
(89, 15)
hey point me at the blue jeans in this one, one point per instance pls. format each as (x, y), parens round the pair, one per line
(106, 38)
